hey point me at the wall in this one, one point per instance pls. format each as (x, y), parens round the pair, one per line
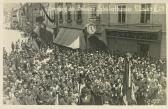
(163, 45)
(130, 45)
(109, 16)
(122, 45)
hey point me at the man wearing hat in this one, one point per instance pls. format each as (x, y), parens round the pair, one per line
(86, 97)
(40, 96)
(29, 98)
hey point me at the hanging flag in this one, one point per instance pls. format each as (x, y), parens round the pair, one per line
(134, 89)
(128, 86)
(129, 75)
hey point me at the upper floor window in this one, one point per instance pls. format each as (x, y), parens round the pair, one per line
(43, 14)
(79, 14)
(53, 14)
(121, 13)
(50, 14)
(23, 11)
(94, 14)
(69, 16)
(145, 13)
(93, 11)
(60, 14)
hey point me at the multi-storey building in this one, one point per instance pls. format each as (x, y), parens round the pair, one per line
(21, 15)
(32, 11)
(27, 12)
(135, 28)
(14, 18)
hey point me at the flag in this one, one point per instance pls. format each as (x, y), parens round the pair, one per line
(134, 89)
(128, 87)
(129, 75)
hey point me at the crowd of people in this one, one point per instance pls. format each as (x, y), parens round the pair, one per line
(62, 76)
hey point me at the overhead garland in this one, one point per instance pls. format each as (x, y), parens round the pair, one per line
(48, 17)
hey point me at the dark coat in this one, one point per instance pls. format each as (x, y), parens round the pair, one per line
(30, 100)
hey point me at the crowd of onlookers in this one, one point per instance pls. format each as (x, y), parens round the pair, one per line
(62, 76)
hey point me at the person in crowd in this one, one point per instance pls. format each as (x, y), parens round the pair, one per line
(62, 76)
(15, 99)
(29, 98)
(13, 46)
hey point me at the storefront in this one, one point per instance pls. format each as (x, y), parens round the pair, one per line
(143, 42)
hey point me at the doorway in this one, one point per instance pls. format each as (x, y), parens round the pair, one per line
(143, 50)
(95, 43)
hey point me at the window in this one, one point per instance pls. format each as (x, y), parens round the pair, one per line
(69, 16)
(134, 35)
(53, 14)
(121, 13)
(147, 36)
(79, 14)
(14, 16)
(93, 11)
(145, 13)
(23, 11)
(153, 36)
(95, 17)
(43, 14)
(49, 13)
(60, 16)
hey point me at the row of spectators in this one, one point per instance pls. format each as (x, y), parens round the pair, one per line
(62, 76)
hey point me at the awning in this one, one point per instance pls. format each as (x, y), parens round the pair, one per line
(72, 38)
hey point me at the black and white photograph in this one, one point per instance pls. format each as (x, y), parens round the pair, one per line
(77, 53)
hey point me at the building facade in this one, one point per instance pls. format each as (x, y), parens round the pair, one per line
(135, 28)
(14, 18)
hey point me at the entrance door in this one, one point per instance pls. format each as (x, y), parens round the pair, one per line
(95, 43)
(143, 50)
